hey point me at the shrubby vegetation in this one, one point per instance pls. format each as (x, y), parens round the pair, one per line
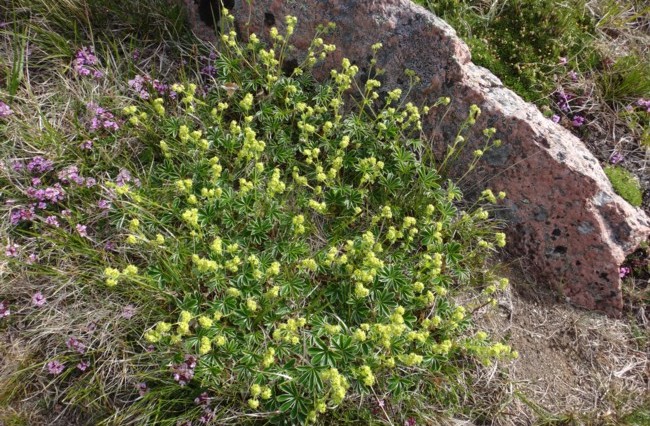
(277, 250)
(584, 63)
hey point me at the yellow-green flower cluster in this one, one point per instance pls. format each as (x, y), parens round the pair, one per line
(251, 148)
(365, 374)
(298, 224)
(288, 332)
(204, 265)
(339, 385)
(191, 217)
(371, 169)
(275, 185)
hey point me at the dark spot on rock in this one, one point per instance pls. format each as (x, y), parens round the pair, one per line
(269, 19)
(210, 10)
(557, 232)
(603, 275)
(288, 66)
(578, 263)
(560, 250)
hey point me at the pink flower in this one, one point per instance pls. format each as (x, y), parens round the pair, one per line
(4, 309)
(55, 367)
(624, 271)
(104, 204)
(5, 111)
(11, 250)
(616, 158)
(52, 221)
(142, 388)
(578, 121)
(563, 60)
(555, 118)
(38, 299)
(83, 365)
(128, 311)
(74, 344)
(82, 230)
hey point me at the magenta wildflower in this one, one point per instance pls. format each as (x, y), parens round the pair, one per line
(624, 271)
(102, 119)
(32, 259)
(84, 63)
(83, 365)
(40, 165)
(5, 111)
(87, 145)
(74, 344)
(128, 311)
(104, 204)
(4, 309)
(52, 221)
(139, 84)
(563, 100)
(578, 121)
(644, 103)
(53, 194)
(207, 416)
(11, 250)
(38, 299)
(555, 118)
(124, 177)
(66, 213)
(573, 75)
(70, 174)
(184, 372)
(82, 230)
(90, 182)
(410, 422)
(563, 60)
(142, 388)
(202, 399)
(21, 215)
(616, 158)
(55, 367)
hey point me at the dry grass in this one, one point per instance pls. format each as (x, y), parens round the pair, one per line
(573, 365)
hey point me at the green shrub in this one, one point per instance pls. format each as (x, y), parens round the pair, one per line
(625, 184)
(521, 40)
(291, 252)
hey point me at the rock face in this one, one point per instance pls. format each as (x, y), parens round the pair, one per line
(564, 219)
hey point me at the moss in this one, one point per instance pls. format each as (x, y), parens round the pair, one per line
(625, 184)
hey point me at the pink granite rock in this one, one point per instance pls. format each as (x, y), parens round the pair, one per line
(563, 217)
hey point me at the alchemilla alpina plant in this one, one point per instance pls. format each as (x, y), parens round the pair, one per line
(295, 250)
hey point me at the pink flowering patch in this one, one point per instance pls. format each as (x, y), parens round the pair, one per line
(55, 367)
(85, 63)
(38, 299)
(11, 250)
(624, 271)
(83, 365)
(4, 309)
(102, 119)
(128, 312)
(578, 121)
(82, 230)
(52, 221)
(74, 344)
(5, 111)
